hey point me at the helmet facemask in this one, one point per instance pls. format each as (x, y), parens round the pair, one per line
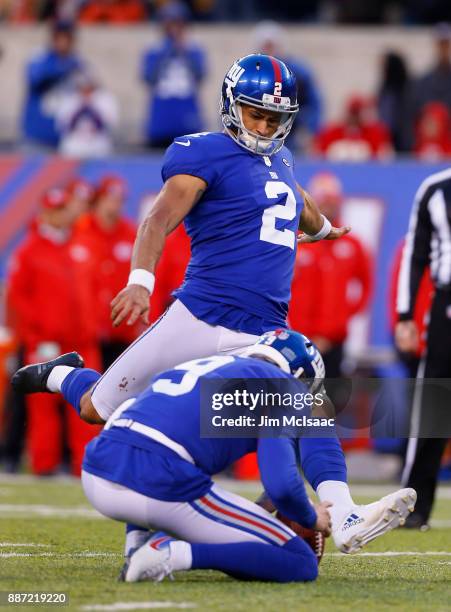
(261, 145)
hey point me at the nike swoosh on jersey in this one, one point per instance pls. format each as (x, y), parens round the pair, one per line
(184, 144)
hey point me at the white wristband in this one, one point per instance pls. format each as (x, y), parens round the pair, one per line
(324, 231)
(142, 277)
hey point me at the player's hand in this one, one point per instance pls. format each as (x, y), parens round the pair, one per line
(334, 234)
(323, 521)
(131, 302)
(407, 337)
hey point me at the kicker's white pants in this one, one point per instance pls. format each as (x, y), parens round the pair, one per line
(176, 337)
(219, 517)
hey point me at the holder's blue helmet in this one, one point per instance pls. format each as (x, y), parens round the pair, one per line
(264, 82)
(293, 352)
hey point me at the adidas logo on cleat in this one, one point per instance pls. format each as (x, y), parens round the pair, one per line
(351, 521)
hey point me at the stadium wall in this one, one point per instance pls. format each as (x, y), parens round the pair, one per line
(345, 60)
(377, 206)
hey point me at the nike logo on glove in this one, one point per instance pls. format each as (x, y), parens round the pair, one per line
(184, 144)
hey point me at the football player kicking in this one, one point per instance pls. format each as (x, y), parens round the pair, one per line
(242, 208)
(150, 467)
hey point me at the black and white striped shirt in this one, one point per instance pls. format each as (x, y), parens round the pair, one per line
(428, 241)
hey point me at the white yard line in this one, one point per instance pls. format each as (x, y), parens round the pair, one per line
(23, 544)
(89, 554)
(75, 555)
(139, 605)
(11, 510)
(441, 523)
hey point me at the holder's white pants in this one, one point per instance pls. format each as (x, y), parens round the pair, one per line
(219, 517)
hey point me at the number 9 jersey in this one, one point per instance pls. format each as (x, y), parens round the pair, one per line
(243, 232)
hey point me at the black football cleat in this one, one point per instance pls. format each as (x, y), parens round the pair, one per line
(33, 378)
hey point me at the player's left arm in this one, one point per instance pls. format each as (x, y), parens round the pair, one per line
(314, 225)
(277, 462)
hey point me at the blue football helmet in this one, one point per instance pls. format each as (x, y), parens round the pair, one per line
(264, 82)
(293, 352)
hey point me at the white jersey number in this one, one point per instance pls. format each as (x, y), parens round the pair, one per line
(194, 370)
(269, 232)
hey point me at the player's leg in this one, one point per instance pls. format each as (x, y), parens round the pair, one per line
(232, 342)
(353, 526)
(49, 376)
(229, 533)
(176, 337)
(166, 343)
(226, 342)
(324, 466)
(218, 531)
(80, 433)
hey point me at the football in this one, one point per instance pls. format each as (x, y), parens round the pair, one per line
(314, 539)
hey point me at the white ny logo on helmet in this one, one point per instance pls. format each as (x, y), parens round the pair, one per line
(232, 78)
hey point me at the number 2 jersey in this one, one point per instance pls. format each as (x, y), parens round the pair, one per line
(243, 232)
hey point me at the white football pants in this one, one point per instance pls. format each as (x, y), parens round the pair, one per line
(176, 337)
(219, 517)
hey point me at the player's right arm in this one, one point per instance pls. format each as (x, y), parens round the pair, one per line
(178, 196)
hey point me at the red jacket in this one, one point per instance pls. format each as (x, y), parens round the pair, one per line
(354, 143)
(170, 271)
(433, 132)
(50, 292)
(111, 251)
(332, 282)
(122, 11)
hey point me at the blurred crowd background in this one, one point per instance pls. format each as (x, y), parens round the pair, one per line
(312, 11)
(90, 90)
(92, 93)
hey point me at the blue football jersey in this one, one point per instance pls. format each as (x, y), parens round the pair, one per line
(171, 405)
(243, 232)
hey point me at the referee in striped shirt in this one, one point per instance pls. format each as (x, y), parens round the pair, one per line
(428, 243)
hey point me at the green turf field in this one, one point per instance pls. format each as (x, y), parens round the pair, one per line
(50, 540)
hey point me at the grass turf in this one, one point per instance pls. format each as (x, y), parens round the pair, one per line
(66, 563)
